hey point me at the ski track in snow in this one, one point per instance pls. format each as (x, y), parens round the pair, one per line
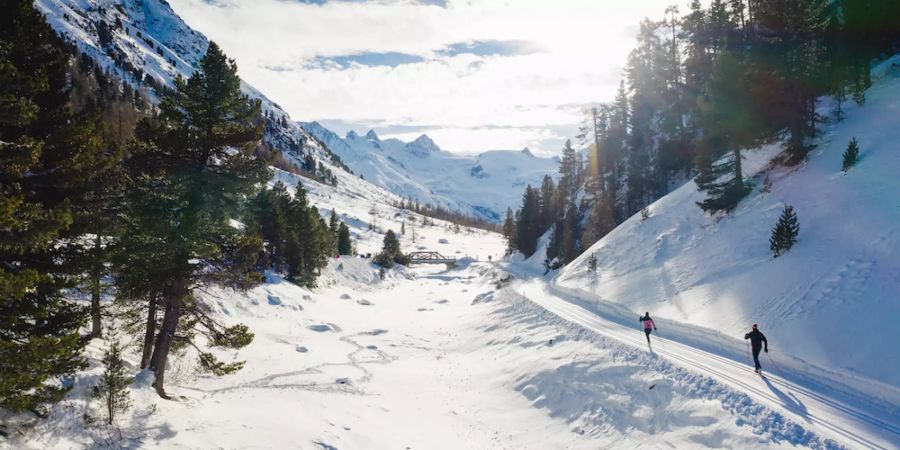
(781, 409)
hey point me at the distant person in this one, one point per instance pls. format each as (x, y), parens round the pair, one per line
(648, 325)
(757, 339)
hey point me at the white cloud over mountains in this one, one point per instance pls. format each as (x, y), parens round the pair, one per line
(473, 74)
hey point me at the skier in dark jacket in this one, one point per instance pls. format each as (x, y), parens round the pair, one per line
(757, 339)
(648, 325)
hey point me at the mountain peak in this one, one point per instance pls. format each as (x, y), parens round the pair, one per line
(527, 152)
(422, 146)
(352, 135)
(371, 135)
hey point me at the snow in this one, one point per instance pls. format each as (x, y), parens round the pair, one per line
(421, 367)
(495, 354)
(484, 185)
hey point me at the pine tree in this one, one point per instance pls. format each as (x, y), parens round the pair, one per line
(333, 228)
(568, 172)
(309, 242)
(345, 244)
(734, 119)
(193, 167)
(851, 155)
(390, 252)
(268, 218)
(45, 157)
(112, 388)
(784, 235)
(509, 231)
(549, 205)
(528, 222)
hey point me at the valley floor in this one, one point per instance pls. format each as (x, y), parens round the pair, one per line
(433, 358)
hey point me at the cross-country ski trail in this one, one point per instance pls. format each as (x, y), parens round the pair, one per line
(819, 412)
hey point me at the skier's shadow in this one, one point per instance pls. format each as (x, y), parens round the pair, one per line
(789, 401)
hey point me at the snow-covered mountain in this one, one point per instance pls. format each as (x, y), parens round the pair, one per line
(483, 185)
(146, 44)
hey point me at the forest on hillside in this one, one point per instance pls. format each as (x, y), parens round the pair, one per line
(107, 194)
(701, 87)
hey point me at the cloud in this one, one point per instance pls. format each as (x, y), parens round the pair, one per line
(500, 69)
(490, 48)
(389, 59)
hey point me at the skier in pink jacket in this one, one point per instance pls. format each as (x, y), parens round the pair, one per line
(648, 325)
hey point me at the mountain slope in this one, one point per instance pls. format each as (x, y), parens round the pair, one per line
(827, 301)
(146, 44)
(483, 185)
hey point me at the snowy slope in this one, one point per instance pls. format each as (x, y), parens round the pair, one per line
(484, 185)
(830, 301)
(148, 45)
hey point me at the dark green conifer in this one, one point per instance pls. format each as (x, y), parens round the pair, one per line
(784, 235)
(193, 168)
(851, 155)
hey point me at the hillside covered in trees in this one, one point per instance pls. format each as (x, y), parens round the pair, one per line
(702, 87)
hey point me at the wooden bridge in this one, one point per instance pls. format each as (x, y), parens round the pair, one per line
(429, 258)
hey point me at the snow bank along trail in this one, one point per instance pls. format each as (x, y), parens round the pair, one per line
(792, 411)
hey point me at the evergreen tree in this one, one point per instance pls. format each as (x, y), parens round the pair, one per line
(509, 231)
(784, 235)
(45, 166)
(568, 173)
(333, 228)
(528, 222)
(193, 167)
(600, 220)
(733, 119)
(309, 241)
(268, 219)
(112, 389)
(345, 244)
(851, 155)
(549, 205)
(390, 252)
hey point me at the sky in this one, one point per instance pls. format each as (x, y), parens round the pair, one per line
(474, 75)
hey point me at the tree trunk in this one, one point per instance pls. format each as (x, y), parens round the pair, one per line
(96, 273)
(174, 301)
(738, 171)
(151, 331)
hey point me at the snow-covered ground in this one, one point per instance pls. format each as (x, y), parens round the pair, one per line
(428, 358)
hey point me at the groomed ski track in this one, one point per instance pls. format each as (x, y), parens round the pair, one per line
(814, 411)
